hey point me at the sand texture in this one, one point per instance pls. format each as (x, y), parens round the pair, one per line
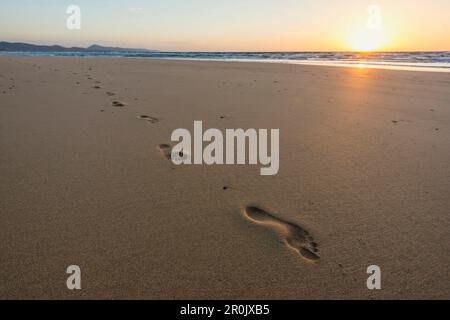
(86, 179)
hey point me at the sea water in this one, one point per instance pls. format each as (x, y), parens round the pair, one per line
(417, 61)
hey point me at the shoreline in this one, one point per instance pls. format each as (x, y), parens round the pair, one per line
(362, 64)
(355, 64)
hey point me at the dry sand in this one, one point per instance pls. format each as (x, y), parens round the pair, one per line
(364, 178)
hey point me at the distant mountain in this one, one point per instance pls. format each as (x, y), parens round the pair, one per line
(26, 47)
(98, 48)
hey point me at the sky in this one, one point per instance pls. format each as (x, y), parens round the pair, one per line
(234, 25)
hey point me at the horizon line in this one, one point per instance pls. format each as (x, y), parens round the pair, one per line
(213, 51)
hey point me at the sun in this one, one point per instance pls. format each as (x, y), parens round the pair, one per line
(367, 40)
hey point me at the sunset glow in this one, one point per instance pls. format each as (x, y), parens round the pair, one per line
(367, 40)
(236, 25)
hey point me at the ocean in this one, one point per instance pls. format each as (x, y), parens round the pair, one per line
(417, 61)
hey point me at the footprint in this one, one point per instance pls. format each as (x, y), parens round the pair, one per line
(165, 150)
(297, 238)
(149, 119)
(118, 104)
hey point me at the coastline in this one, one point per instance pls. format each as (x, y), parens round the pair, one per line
(427, 65)
(349, 64)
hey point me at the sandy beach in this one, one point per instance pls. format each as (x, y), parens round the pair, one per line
(364, 179)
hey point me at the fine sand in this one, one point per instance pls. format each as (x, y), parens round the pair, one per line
(86, 180)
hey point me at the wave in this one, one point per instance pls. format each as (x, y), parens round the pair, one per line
(435, 61)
